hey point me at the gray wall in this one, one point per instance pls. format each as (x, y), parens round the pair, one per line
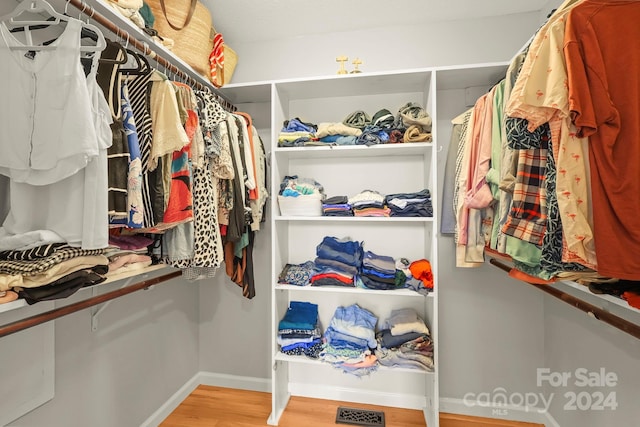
(386, 48)
(575, 341)
(145, 349)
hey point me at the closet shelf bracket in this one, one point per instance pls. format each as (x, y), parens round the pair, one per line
(97, 309)
(599, 313)
(22, 324)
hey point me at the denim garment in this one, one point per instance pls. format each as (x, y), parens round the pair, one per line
(373, 135)
(345, 340)
(376, 275)
(328, 281)
(300, 315)
(348, 328)
(342, 245)
(324, 265)
(338, 213)
(413, 211)
(374, 284)
(380, 263)
(392, 341)
(302, 345)
(422, 194)
(359, 318)
(338, 345)
(342, 250)
(296, 125)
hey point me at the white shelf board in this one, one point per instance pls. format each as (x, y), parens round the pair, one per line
(585, 290)
(13, 305)
(248, 93)
(356, 85)
(470, 76)
(353, 290)
(303, 359)
(19, 303)
(385, 219)
(404, 149)
(128, 274)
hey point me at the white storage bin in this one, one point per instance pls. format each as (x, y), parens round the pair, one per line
(303, 205)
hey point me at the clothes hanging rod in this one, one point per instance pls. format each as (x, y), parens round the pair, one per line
(19, 325)
(592, 310)
(144, 47)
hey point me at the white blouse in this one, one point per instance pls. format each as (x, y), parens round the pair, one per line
(46, 127)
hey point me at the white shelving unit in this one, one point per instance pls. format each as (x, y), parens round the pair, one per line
(348, 170)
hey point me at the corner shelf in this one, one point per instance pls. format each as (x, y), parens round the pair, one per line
(349, 290)
(303, 359)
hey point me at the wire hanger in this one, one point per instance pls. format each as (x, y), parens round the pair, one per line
(40, 7)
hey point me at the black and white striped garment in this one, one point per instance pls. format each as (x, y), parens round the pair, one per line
(30, 268)
(31, 254)
(139, 98)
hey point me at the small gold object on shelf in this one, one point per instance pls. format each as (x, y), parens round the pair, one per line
(342, 60)
(356, 62)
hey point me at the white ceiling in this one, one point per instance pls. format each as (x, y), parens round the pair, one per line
(243, 21)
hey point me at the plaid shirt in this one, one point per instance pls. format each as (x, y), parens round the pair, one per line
(528, 215)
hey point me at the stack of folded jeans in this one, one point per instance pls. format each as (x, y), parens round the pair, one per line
(299, 330)
(379, 272)
(410, 204)
(404, 341)
(337, 263)
(349, 340)
(336, 206)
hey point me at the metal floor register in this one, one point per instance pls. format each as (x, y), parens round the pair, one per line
(359, 417)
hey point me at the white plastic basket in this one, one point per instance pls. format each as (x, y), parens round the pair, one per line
(304, 205)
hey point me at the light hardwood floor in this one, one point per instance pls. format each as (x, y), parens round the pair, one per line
(211, 406)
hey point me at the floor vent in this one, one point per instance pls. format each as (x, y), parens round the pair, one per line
(359, 417)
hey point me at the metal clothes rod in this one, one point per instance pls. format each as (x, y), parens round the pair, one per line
(19, 325)
(146, 50)
(596, 312)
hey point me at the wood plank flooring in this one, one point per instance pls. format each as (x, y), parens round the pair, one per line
(211, 406)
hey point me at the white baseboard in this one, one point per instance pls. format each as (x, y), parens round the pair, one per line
(408, 401)
(174, 401)
(205, 378)
(235, 381)
(448, 405)
(511, 413)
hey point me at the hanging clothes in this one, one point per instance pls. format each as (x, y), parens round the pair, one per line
(69, 136)
(605, 108)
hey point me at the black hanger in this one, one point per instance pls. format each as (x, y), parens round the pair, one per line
(143, 67)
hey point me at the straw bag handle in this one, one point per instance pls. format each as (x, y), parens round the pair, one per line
(192, 9)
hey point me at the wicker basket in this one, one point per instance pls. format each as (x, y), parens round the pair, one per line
(230, 62)
(194, 42)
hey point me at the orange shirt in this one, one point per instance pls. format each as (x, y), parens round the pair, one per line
(603, 63)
